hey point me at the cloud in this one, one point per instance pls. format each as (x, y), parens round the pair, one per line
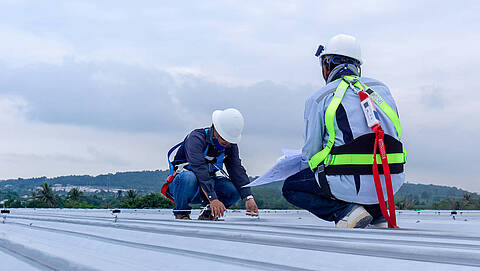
(12, 108)
(20, 48)
(434, 97)
(83, 117)
(130, 98)
(32, 148)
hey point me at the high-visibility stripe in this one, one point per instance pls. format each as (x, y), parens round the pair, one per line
(385, 108)
(362, 159)
(329, 123)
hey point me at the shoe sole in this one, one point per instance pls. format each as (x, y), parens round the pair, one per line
(363, 222)
(206, 219)
(376, 226)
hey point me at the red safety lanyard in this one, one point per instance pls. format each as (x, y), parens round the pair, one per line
(391, 219)
(164, 189)
(374, 122)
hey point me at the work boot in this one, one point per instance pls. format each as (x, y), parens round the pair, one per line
(206, 214)
(183, 216)
(358, 217)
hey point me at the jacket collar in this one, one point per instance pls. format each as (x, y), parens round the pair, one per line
(342, 70)
(210, 139)
(210, 135)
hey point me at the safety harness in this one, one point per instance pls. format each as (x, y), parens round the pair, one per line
(214, 164)
(342, 161)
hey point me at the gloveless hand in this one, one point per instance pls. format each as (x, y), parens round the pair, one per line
(251, 207)
(217, 207)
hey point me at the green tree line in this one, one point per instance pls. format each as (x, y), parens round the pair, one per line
(45, 197)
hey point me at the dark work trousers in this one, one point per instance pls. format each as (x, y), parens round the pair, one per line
(303, 191)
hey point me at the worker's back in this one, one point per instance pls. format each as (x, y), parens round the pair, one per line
(351, 131)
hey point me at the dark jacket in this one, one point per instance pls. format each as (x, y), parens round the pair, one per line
(192, 151)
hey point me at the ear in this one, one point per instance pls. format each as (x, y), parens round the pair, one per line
(325, 72)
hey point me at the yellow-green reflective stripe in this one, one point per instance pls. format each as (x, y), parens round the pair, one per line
(393, 116)
(329, 124)
(364, 159)
(380, 102)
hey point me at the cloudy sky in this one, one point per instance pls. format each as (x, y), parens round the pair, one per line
(91, 87)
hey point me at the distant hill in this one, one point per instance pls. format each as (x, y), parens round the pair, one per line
(145, 181)
(431, 192)
(151, 181)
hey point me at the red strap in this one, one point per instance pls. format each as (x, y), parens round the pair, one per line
(165, 186)
(379, 140)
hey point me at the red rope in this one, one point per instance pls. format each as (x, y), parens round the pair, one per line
(379, 141)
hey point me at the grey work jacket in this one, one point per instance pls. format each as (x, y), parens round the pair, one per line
(349, 124)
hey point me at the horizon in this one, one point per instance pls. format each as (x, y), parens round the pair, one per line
(166, 170)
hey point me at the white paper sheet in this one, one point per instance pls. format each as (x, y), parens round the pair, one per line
(286, 166)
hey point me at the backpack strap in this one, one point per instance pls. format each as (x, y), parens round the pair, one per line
(170, 165)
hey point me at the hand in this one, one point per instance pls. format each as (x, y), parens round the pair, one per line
(217, 208)
(251, 207)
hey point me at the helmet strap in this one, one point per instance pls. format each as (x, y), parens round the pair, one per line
(214, 140)
(218, 145)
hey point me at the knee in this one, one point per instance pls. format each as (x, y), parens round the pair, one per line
(185, 181)
(290, 185)
(289, 196)
(233, 195)
(289, 193)
(286, 191)
(188, 178)
(230, 196)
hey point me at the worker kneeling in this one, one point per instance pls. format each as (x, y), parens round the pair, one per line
(200, 157)
(346, 123)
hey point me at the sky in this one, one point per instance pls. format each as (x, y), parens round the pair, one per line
(92, 87)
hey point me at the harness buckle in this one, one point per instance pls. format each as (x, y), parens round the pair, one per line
(181, 167)
(351, 83)
(327, 161)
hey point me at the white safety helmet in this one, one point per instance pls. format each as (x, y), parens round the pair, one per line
(343, 45)
(229, 124)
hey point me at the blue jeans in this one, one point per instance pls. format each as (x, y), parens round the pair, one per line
(185, 189)
(302, 190)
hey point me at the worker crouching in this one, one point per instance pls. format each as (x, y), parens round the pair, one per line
(199, 160)
(347, 123)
